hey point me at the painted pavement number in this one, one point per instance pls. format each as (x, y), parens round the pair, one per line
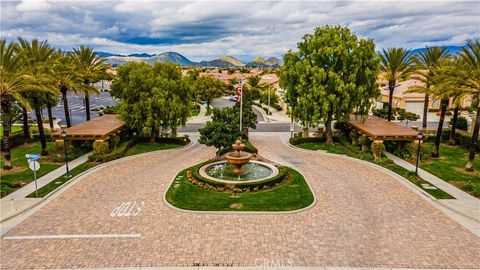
(128, 209)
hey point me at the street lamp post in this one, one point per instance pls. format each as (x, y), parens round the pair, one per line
(420, 136)
(64, 136)
(268, 114)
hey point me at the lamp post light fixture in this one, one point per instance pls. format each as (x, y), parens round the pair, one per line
(64, 136)
(420, 137)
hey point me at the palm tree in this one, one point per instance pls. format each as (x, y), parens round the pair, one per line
(92, 67)
(425, 62)
(11, 89)
(395, 63)
(67, 76)
(35, 60)
(442, 91)
(466, 74)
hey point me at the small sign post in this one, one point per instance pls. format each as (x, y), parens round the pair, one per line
(34, 165)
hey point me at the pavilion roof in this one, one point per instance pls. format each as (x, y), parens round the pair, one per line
(380, 129)
(100, 128)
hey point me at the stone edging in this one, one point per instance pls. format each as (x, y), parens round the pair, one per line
(87, 172)
(402, 179)
(203, 173)
(240, 213)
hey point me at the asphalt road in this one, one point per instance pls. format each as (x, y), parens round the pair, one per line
(221, 103)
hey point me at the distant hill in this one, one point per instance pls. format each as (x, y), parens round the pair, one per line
(232, 60)
(452, 49)
(172, 57)
(260, 62)
(176, 58)
(141, 55)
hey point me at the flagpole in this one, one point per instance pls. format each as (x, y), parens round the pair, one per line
(241, 103)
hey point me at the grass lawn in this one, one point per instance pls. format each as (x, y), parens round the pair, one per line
(450, 166)
(144, 147)
(61, 180)
(21, 175)
(15, 128)
(346, 148)
(295, 194)
(196, 111)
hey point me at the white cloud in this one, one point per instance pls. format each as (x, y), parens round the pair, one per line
(205, 30)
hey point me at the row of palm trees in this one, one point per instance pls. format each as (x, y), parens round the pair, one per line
(33, 75)
(443, 76)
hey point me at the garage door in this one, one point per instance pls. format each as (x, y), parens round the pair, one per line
(415, 106)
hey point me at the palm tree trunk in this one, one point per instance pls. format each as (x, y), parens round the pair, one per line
(6, 105)
(391, 88)
(425, 111)
(443, 106)
(328, 129)
(153, 134)
(474, 145)
(26, 127)
(41, 132)
(454, 125)
(87, 106)
(50, 117)
(63, 89)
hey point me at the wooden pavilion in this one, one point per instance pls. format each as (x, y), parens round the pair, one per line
(378, 129)
(98, 129)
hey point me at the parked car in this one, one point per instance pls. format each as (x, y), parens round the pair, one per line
(233, 98)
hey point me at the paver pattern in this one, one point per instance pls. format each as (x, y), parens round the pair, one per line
(363, 217)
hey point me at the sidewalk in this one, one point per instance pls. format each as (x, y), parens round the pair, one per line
(200, 118)
(465, 209)
(16, 201)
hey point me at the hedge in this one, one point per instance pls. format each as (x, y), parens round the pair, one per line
(282, 173)
(462, 138)
(119, 152)
(15, 139)
(300, 140)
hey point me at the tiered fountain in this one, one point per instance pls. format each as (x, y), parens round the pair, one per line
(238, 167)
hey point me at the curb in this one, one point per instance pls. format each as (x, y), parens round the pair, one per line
(376, 166)
(87, 172)
(240, 213)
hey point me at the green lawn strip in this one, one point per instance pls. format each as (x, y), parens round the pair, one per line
(61, 180)
(196, 111)
(14, 129)
(293, 195)
(348, 149)
(21, 175)
(450, 166)
(144, 147)
(410, 176)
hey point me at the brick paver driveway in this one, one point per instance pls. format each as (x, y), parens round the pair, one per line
(363, 217)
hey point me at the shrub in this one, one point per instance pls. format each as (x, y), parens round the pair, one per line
(113, 141)
(467, 187)
(119, 152)
(300, 140)
(15, 139)
(378, 149)
(100, 147)
(461, 123)
(354, 136)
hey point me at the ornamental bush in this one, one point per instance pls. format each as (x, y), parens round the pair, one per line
(378, 148)
(100, 147)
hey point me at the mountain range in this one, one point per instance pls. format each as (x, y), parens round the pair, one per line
(222, 62)
(174, 57)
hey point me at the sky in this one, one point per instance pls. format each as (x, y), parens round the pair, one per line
(205, 30)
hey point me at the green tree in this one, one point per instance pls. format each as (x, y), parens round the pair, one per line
(133, 85)
(332, 75)
(208, 88)
(92, 68)
(465, 75)
(12, 88)
(36, 62)
(67, 76)
(425, 63)
(395, 64)
(222, 131)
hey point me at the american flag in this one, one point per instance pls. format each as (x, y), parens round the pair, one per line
(239, 90)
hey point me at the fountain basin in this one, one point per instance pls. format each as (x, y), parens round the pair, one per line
(223, 172)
